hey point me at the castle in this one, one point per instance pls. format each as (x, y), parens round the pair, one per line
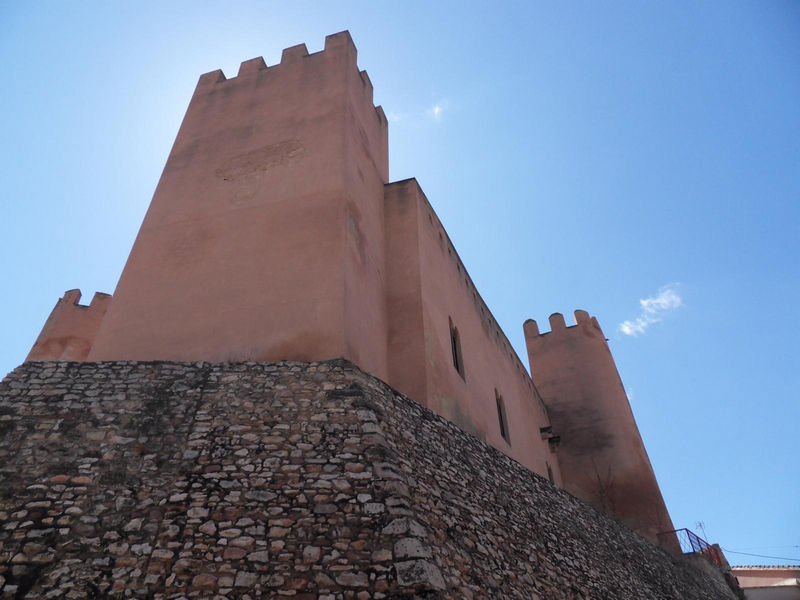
(274, 235)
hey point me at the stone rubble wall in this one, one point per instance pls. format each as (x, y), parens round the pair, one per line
(498, 530)
(301, 480)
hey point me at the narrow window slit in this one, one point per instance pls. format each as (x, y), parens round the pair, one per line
(455, 346)
(501, 417)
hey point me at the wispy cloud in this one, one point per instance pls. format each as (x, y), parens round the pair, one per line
(436, 111)
(667, 299)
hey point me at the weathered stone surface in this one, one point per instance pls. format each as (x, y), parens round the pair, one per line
(213, 480)
(245, 579)
(311, 554)
(204, 581)
(349, 580)
(411, 548)
(419, 572)
(404, 525)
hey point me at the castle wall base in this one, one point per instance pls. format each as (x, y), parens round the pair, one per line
(310, 480)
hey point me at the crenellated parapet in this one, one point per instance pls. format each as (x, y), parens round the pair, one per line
(558, 324)
(338, 46)
(71, 328)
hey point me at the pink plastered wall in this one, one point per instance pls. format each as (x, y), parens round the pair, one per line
(430, 290)
(366, 170)
(71, 328)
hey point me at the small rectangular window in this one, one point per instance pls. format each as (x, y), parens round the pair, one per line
(501, 417)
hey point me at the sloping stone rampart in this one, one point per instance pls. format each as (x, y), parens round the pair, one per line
(498, 530)
(302, 480)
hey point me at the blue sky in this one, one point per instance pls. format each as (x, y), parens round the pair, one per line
(637, 160)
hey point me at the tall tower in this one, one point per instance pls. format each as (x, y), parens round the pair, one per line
(603, 460)
(264, 238)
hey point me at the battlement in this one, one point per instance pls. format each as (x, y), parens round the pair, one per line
(71, 328)
(73, 297)
(251, 67)
(558, 324)
(338, 46)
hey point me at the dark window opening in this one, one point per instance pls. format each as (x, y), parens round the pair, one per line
(501, 417)
(455, 346)
(550, 473)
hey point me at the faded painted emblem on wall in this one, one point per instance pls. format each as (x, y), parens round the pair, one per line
(283, 153)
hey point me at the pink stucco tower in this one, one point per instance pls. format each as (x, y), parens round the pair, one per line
(264, 240)
(602, 457)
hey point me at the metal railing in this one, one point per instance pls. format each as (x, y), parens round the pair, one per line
(691, 543)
